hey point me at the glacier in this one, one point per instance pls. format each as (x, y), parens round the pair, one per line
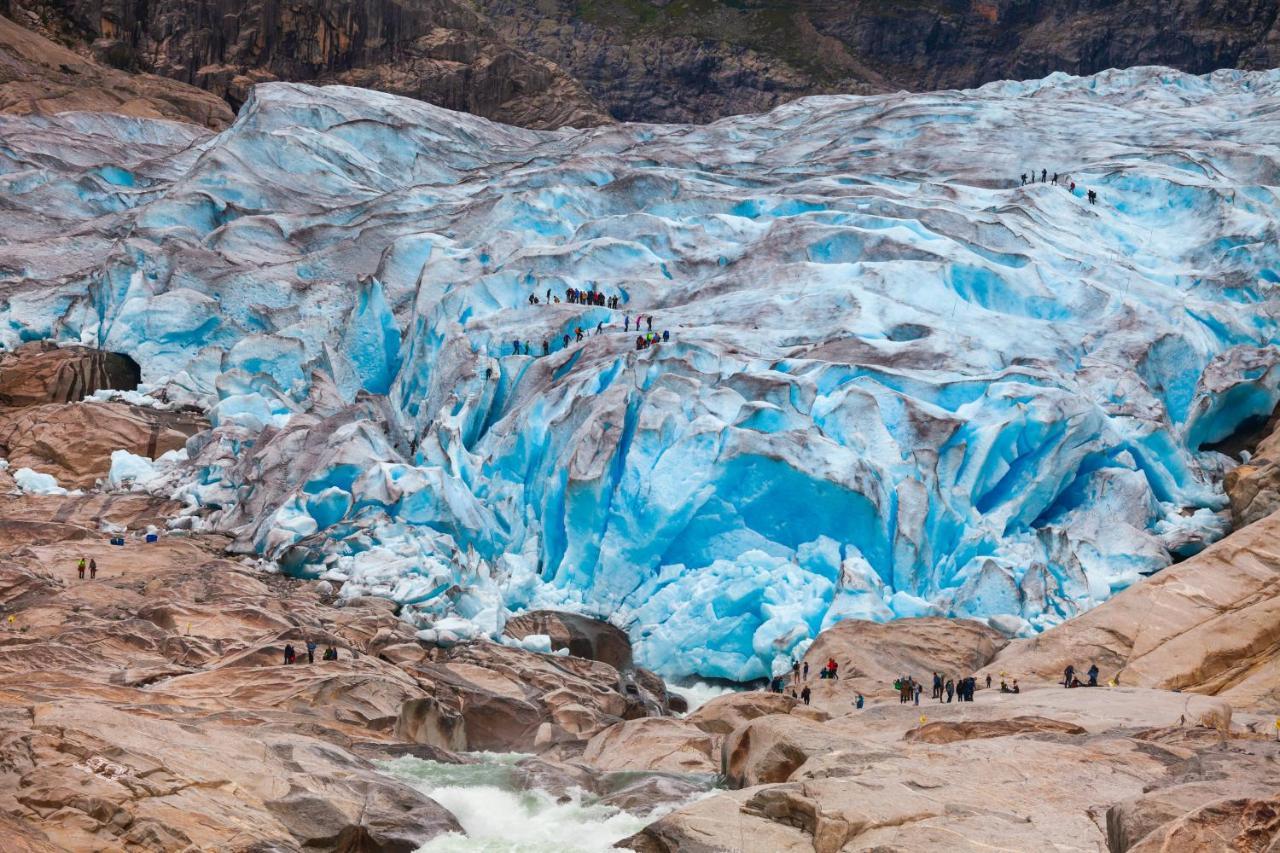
(897, 381)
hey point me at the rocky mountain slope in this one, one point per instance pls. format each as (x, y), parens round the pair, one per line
(38, 76)
(696, 60)
(441, 51)
(578, 62)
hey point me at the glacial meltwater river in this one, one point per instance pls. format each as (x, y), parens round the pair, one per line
(501, 816)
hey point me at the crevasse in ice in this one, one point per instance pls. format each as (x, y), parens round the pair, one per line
(898, 381)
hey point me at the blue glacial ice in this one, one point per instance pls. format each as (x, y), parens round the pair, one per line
(898, 382)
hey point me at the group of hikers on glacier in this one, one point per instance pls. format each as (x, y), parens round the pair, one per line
(644, 338)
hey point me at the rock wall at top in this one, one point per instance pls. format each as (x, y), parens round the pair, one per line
(699, 60)
(440, 51)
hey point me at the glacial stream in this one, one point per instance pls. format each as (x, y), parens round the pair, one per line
(500, 815)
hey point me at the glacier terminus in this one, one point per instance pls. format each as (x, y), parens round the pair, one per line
(895, 380)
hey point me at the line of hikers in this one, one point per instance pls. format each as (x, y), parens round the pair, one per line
(962, 690)
(1044, 173)
(291, 655)
(575, 296)
(643, 341)
(92, 566)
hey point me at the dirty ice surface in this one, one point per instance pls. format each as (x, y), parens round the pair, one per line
(897, 382)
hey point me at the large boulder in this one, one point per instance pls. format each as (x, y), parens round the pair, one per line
(660, 744)
(1244, 823)
(771, 748)
(41, 372)
(74, 442)
(494, 697)
(723, 714)
(1253, 489)
(582, 636)
(872, 655)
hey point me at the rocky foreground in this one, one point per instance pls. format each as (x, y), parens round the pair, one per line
(149, 708)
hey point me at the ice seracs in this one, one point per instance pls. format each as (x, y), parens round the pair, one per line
(898, 382)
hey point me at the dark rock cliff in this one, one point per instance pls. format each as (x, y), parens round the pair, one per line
(648, 60)
(697, 60)
(441, 51)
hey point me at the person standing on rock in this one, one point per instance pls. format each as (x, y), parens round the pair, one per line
(804, 694)
(951, 689)
(795, 672)
(80, 568)
(919, 688)
(988, 681)
(1023, 176)
(1068, 674)
(93, 568)
(289, 654)
(937, 687)
(805, 675)
(1093, 675)
(857, 703)
(311, 651)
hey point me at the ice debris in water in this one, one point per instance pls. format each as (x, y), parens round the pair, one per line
(898, 381)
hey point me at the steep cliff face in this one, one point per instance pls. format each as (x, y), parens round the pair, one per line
(441, 51)
(38, 76)
(696, 60)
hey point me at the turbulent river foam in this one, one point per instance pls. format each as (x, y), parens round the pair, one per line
(500, 816)
(898, 382)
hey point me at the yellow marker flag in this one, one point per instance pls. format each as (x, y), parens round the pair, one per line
(1278, 722)
(922, 721)
(1111, 683)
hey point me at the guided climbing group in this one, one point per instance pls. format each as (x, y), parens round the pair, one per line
(645, 335)
(1030, 178)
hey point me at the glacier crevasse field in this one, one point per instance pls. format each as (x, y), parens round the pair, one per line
(898, 382)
